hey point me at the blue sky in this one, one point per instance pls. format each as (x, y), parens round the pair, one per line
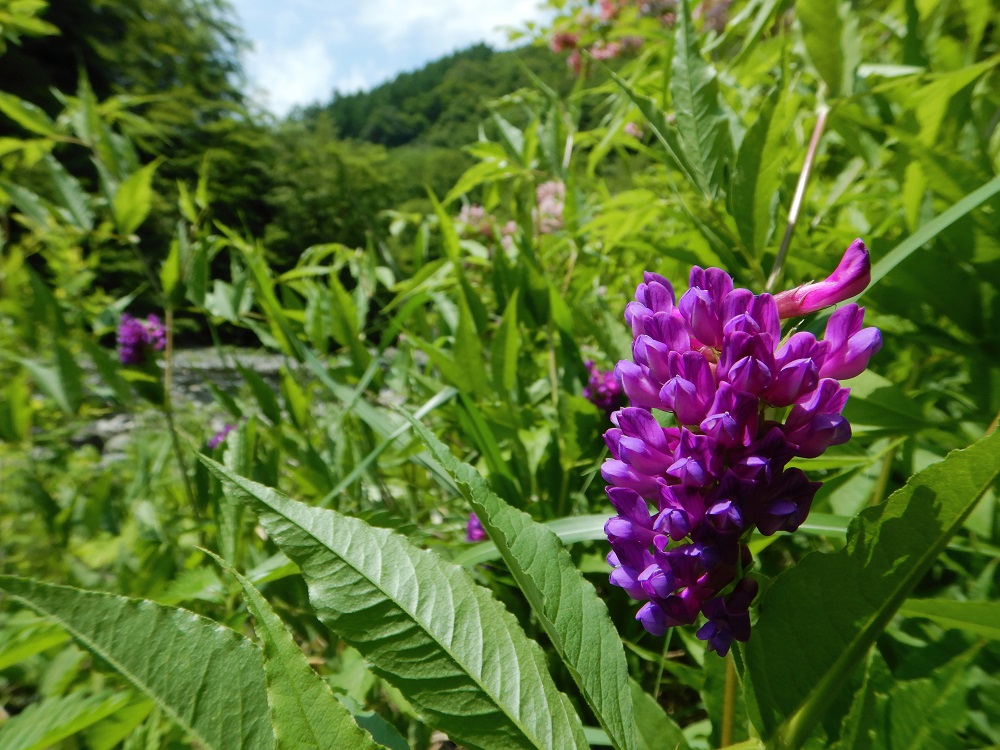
(304, 50)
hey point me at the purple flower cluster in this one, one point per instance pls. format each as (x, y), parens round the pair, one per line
(603, 389)
(137, 337)
(720, 403)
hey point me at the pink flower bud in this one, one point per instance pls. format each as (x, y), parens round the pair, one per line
(851, 277)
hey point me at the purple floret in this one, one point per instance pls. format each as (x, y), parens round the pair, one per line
(136, 338)
(474, 531)
(218, 438)
(688, 496)
(603, 389)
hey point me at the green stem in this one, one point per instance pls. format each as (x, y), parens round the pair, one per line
(168, 408)
(822, 111)
(728, 703)
(663, 659)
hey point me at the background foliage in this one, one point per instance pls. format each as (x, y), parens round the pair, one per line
(357, 317)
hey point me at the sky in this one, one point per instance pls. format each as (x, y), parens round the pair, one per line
(304, 50)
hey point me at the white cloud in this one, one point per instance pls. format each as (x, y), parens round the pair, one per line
(306, 49)
(444, 24)
(292, 75)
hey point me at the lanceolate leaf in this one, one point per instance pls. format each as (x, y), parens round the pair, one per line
(701, 125)
(981, 618)
(662, 129)
(656, 729)
(304, 712)
(44, 724)
(567, 606)
(823, 36)
(759, 171)
(423, 625)
(818, 620)
(207, 678)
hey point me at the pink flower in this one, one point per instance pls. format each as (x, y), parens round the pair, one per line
(605, 51)
(633, 130)
(549, 214)
(851, 276)
(563, 40)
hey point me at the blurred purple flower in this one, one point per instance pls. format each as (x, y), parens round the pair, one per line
(687, 496)
(218, 438)
(136, 338)
(474, 531)
(603, 389)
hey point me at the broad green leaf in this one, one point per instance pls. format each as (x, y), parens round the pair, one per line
(567, 606)
(134, 198)
(981, 618)
(657, 731)
(44, 724)
(818, 620)
(702, 129)
(759, 171)
(27, 115)
(304, 712)
(205, 677)
(422, 623)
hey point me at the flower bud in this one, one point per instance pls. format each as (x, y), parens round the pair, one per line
(851, 276)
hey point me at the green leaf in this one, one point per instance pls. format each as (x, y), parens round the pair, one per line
(29, 204)
(759, 170)
(61, 383)
(506, 345)
(926, 713)
(567, 606)
(304, 712)
(423, 625)
(981, 618)
(22, 640)
(702, 129)
(452, 247)
(134, 198)
(656, 730)
(818, 620)
(72, 194)
(468, 352)
(27, 115)
(662, 129)
(44, 724)
(932, 229)
(824, 36)
(204, 676)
